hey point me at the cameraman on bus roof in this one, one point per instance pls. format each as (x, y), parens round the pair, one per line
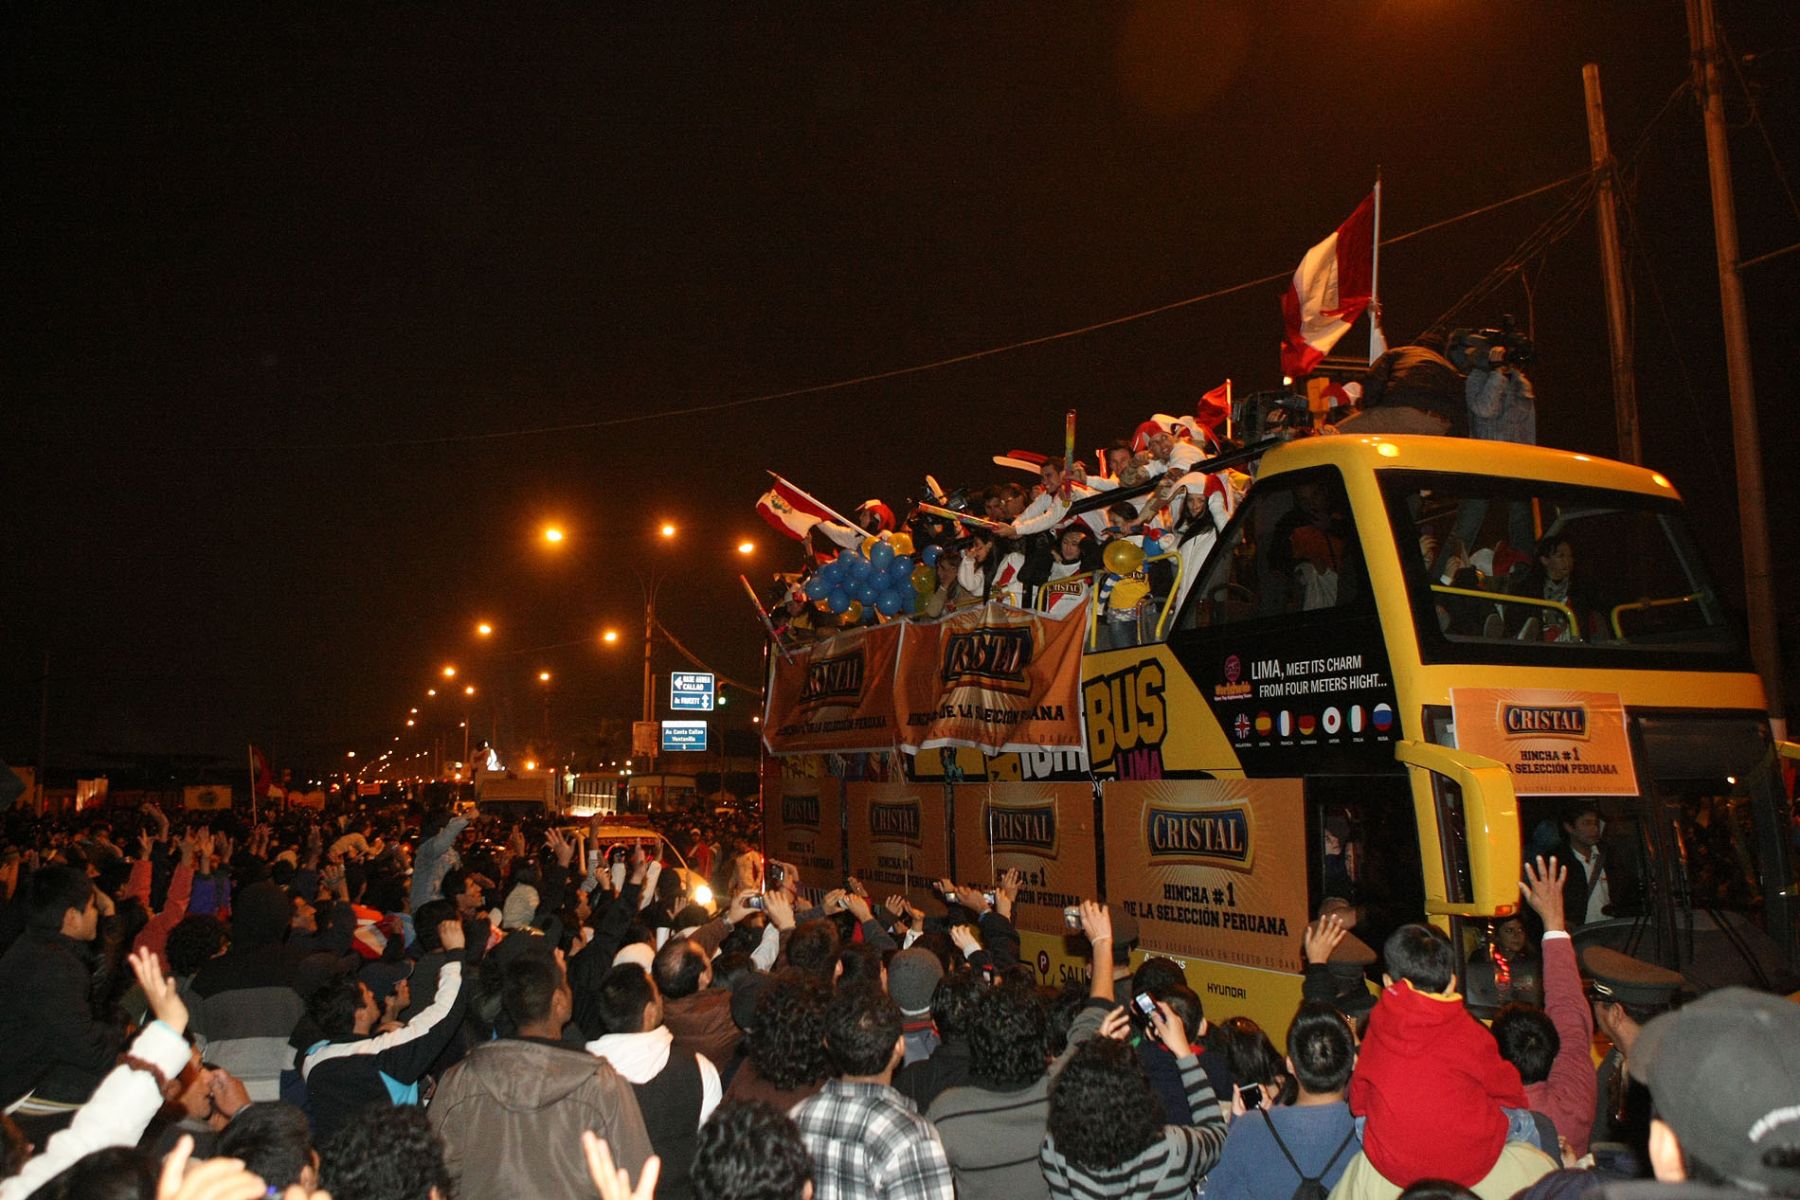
(1412, 389)
(1502, 405)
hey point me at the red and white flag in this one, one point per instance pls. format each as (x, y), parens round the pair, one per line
(790, 510)
(1214, 408)
(1331, 289)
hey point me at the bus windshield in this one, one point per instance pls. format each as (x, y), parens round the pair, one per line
(1503, 570)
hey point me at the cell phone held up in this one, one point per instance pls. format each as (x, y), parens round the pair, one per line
(754, 903)
(1252, 1095)
(774, 875)
(1143, 1007)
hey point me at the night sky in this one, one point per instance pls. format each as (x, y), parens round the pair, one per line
(281, 281)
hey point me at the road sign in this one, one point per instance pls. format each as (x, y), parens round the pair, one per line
(643, 737)
(683, 735)
(691, 691)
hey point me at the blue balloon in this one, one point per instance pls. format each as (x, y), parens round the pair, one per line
(857, 567)
(838, 602)
(929, 555)
(865, 591)
(829, 573)
(888, 603)
(909, 601)
(881, 556)
(818, 587)
(902, 568)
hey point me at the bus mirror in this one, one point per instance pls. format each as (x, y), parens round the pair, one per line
(1468, 819)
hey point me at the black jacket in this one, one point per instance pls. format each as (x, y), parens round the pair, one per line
(50, 1039)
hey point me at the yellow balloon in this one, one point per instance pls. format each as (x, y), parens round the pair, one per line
(868, 544)
(854, 613)
(1123, 557)
(1128, 595)
(924, 580)
(902, 543)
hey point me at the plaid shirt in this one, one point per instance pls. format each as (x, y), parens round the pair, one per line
(867, 1139)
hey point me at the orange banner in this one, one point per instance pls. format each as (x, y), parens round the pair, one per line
(1555, 743)
(1211, 868)
(994, 678)
(899, 840)
(1044, 831)
(836, 696)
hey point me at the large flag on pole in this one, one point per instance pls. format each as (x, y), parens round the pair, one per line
(795, 520)
(1331, 290)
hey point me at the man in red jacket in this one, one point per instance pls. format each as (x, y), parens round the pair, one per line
(1430, 1079)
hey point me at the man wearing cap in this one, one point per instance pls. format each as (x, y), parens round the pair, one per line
(1627, 994)
(1724, 1073)
(912, 979)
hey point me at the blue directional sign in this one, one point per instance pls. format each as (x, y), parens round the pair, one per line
(691, 691)
(683, 735)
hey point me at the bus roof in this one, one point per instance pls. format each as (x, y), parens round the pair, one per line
(1371, 452)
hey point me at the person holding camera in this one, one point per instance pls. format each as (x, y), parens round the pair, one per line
(1502, 404)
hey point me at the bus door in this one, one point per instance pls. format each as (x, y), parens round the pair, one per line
(1725, 829)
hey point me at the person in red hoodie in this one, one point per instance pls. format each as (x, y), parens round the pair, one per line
(1430, 1079)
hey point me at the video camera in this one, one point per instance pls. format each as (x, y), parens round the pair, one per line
(1257, 415)
(1490, 348)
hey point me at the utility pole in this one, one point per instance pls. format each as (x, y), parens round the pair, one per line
(649, 645)
(1612, 270)
(43, 761)
(1759, 582)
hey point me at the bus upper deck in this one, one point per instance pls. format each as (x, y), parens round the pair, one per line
(1403, 663)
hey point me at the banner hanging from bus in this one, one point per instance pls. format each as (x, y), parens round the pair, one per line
(835, 696)
(1555, 743)
(996, 679)
(1045, 832)
(1212, 869)
(899, 839)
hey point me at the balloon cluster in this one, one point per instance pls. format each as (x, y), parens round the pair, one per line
(878, 579)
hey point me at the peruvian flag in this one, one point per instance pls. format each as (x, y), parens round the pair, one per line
(1331, 289)
(790, 510)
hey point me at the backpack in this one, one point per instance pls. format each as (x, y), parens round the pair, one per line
(1311, 1187)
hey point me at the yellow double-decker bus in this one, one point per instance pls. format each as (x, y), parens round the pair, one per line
(1407, 663)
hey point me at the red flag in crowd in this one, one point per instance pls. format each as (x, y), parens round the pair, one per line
(1331, 289)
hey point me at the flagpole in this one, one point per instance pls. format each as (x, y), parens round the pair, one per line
(1228, 408)
(1377, 341)
(250, 760)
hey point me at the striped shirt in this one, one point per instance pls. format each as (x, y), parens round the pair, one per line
(1168, 1168)
(866, 1139)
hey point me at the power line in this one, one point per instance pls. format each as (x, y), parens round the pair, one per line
(838, 384)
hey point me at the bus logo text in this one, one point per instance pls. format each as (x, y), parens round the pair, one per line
(989, 658)
(829, 679)
(1029, 829)
(1540, 720)
(1220, 836)
(895, 822)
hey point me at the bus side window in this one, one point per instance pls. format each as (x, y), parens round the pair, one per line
(1292, 548)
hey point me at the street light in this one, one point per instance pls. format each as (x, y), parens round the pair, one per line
(431, 691)
(667, 530)
(552, 534)
(469, 691)
(484, 629)
(746, 547)
(610, 636)
(543, 677)
(449, 672)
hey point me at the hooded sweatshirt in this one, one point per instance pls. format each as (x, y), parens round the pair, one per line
(248, 997)
(512, 1112)
(1431, 1082)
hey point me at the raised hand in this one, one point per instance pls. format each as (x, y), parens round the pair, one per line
(211, 1179)
(612, 1182)
(1169, 1028)
(1007, 893)
(450, 935)
(778, 909)
(160, 991)
(965, 939)
(1322, 937)
(1096, 922)
(1543, 890)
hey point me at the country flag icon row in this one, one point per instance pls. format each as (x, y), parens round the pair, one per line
(1288, 724)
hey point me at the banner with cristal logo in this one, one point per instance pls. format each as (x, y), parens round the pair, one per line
(996, 678)
(1211, 868)
(899, 839)
(1045, 831)
(836, 696)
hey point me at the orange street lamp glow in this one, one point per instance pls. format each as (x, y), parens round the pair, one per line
(414, 711)
(552, 534)
(667, 530)
(469, 691)
(429, 692)
(351, 754)
(543, 677)
(484, 629)
(610, 636)
(449, 672)
(531, 764)
(410, 722)
(746, 547)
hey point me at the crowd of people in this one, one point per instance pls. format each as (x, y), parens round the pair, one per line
(1066, 535)
(427, 1006)
(1047, 545)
